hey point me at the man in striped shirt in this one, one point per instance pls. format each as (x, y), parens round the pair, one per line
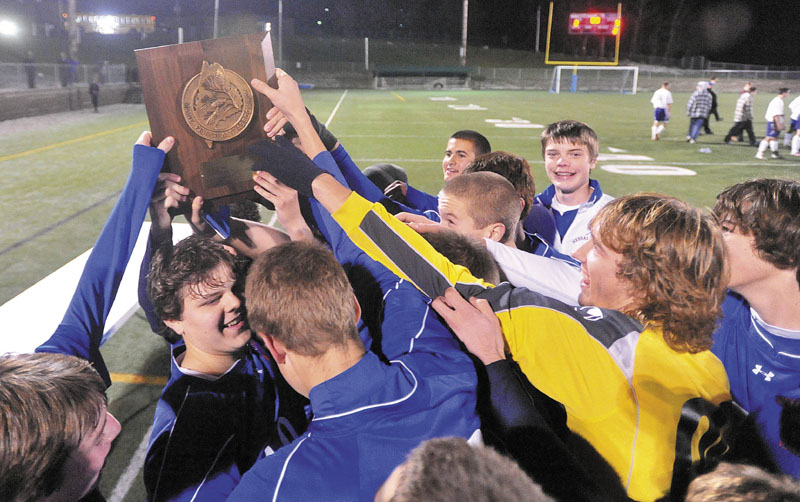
(743, 117)
(697, 109)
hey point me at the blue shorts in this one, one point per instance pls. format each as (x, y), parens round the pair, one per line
(771, 131)
(795, 124)
(660, 115)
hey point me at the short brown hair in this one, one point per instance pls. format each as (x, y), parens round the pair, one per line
(48, 404)
(298, 293)
(489, 198)
(743, 483)
(674, 259)
(465, 251)
(511, 167)
(479, 142)
(571, 131)
(449, 469)
(174, 272)
(769, 210)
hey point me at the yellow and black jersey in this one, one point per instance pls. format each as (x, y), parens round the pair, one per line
(648, 409)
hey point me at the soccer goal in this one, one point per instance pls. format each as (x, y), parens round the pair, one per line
(622, 79)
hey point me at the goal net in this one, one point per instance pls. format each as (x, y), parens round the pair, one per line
(622, 79)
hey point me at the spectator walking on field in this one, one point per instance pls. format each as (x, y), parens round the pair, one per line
(743, 117)
(94, 91)
(713, 110)
(697, 109)
(30, 69)
(662, 104)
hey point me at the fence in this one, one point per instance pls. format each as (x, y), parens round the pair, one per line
(353, 75)
(47, 75)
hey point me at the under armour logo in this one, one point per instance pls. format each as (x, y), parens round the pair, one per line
(591, 313)
(767, 376)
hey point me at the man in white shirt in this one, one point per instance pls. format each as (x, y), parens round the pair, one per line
(794, 139)
(662, 103)
(775, 124)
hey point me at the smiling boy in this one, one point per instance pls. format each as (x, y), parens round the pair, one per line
(462, 148)
(225, 404)
(570, 150)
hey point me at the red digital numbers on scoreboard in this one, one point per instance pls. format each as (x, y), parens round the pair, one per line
(594, 23)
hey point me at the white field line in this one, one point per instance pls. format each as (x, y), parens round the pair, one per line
(128, 476)
(336, 108)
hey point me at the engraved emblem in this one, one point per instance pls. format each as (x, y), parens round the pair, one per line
(217, 103)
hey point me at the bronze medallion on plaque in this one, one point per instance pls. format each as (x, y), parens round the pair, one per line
(199, 92)
(217, 103)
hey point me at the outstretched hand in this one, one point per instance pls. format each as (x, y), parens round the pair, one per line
(419, 223)
(287, 207)
(286, 98)
(146, 139)
(474, 323)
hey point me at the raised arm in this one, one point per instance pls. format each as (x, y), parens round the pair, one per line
(81, 330)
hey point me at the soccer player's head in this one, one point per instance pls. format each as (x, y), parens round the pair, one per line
(196, 291)
(56, 432)
(665, 85)
(450, 470)
(511, 167)
(783, 92)
(761, 223)
(481, 205)
(299, 299)
(661, 261)
(462, 148)
(743, 483)
(570, 149)
(465, 251)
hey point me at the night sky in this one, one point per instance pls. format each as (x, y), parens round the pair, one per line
(744, 31)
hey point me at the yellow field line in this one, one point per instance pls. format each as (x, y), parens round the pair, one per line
(401, 98)
(129, 378)
(69, 142)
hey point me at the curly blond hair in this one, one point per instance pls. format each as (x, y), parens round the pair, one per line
(674, 259)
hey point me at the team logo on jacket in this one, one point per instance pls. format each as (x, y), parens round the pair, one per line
(767, 376)
(591, 313)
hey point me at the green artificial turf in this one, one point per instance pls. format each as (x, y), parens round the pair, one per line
(76, 183)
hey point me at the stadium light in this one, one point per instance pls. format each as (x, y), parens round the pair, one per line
(8, 28)
(107, 25)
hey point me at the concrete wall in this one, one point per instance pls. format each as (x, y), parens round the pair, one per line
(32, 102)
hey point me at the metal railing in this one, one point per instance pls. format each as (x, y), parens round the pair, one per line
(48, 75)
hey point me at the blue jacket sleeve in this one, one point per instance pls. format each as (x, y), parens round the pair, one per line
(156, 324)
(422, 201)
(341, 245)
(360, 184)
(81, 330)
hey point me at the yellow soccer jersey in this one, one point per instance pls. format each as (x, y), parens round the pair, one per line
(648, 409)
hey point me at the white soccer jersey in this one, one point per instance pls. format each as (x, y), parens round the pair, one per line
(794, 106)
(661, 98)
(550, 277)
(775, 108)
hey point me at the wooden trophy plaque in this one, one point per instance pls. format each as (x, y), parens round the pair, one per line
(199, 92)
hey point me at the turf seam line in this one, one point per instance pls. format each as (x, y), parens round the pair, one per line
(58, 223)
(69, 142)
(131, 472)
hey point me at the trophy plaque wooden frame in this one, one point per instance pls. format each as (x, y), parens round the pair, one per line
(199, 92)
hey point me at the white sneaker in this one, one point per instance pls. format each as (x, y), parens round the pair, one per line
(760, 156)
(691, 141)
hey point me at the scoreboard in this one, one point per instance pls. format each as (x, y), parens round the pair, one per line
(595, 23)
